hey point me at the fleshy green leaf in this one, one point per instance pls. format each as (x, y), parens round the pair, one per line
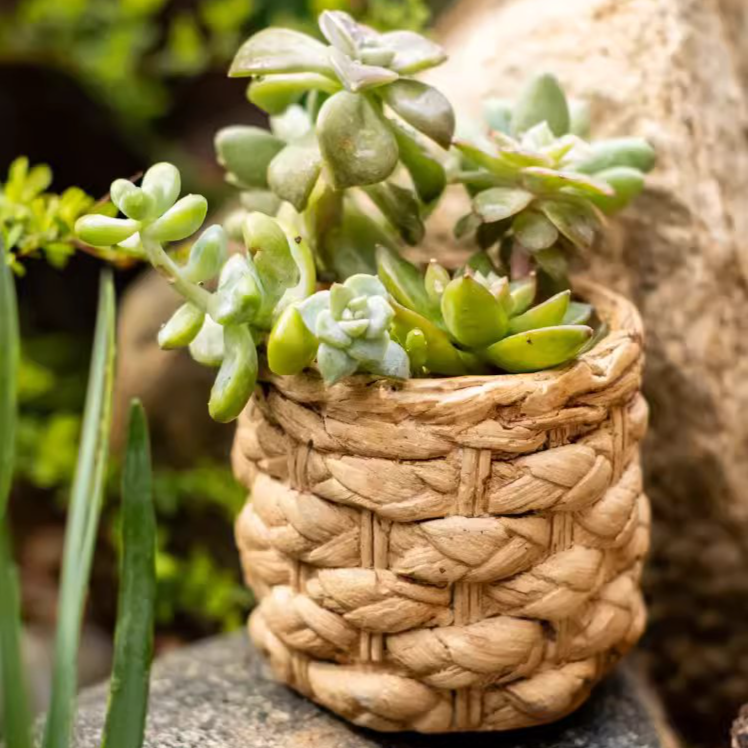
(275, 93)
(207, 255)
(238, 296)
(293, 173)
(489, 160)
(578, 223)
(356, 142)
(498, 114)
(341, 31)
(636, 153)
(133, 640)
(499, 203)
(163, 183)
(423, 107)
(183, 219)
(542, 100)
(103, 231)
(522, 293)
(246, 152)
(551, 312)
(355, 76)
(436, 281)
(207, 347)
(394, 363)
(277, 50)
(291, 346)
(413, 52)
(538, 349)
(472, 314)
(182, 328)
(334, 364)
(236, 377)
(404, 282)
(625, 181)
(539, 179)
(534, 231)
(577, 313)
(426, 172)
(401, 209)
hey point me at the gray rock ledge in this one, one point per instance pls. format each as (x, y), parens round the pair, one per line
(218, 694)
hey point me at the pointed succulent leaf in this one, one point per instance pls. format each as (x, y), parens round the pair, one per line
(310, 308)
(429, 178)
(538, 349)
(413, 52)
(103, 231)
(207, 255)
(542, 100)
(291, 345)
(131, 200)
(340, 296)
(363, 284)
(534, 231)
(246, 152)
(577, 222)
(499, 203)
(302, 256)
(340, 30)
(416, 347)
(379, 313)
(404, 282)
(488, 157)
(356, 142)
(293, 173)
(376, 56)
(578, 313)
(538, 137)
(275, 93)
(522, 294)
(553, 263)
(551, 312)
(539, 179)
(330, 332)
(423, 107)
(295, 123)
(636, 153)
(207, 347)
(162, 182)
(182, 327)
(626, 182)
(436, 281)
(579, 118)
(394, 363)
(368, 351)
(354, 328)
(238, 296)
(356, 76)
(183, 219)
(277, 50)
(480, 262)
(236, 377)
(467, 224)
(498, 114)
(472, 314)
(334, 364)
(400, 207)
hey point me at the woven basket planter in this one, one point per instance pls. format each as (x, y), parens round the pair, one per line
(449, 554)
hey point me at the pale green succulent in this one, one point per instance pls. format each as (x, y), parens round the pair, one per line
(538, 188)
(350, 322)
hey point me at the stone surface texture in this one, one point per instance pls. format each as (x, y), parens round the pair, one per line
(673, 71)
(217, 695)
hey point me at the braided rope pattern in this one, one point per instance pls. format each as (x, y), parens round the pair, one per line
(451, 554)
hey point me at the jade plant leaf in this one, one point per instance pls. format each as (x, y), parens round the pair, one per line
(541, 179)
(356, 76)
(538, 349)
(413, 52)
(207, 255)
(429, 178)
(275, 93)
(576, 221)
(276, 50)
(356, 142)
(499, 203)
(636, 153)
(625, 181)
(182, 328)
(534, 231)
(401, 209)
(547, 314)
(542, 100)
(246, 152)
(293, 173)
(423, 107)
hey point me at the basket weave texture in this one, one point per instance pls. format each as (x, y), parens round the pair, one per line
(449, 554)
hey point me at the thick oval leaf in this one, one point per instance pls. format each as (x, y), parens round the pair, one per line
(334, 364)
(551, 312)
(207, 255)
(340, 30)
(103, 231)
(498, 114)
(246, 152)
(163, 183)
(183, 219)
(577, 222)
(499, 203)
(625, 181)
(538, 349)
(417, 348)
(236, 377)
(294, 124)
(534, 231)
(490, 160)
(541, 100)
(400, 207)
(473, 316)
(356, 142)
(404, 282)
(238, 296)
(522, 293)
(182, 328)
(413, 52)
(207, 347)
(275, 93)
(636, 153)
(355, 76)
(423, 107)
(291, 345)
(293, 173)
(131, 200)
(276, 50)
(539, 179)
(429, 178)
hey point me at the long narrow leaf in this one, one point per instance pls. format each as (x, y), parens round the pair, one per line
(133, 640)
(13, 692)
(83, 518)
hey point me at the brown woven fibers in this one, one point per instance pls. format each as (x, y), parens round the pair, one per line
(449, 554)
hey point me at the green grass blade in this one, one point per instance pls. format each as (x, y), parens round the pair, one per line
(13, 692)
(83, 518)
(133, 640)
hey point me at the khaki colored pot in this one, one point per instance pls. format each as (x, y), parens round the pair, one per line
(449, 554)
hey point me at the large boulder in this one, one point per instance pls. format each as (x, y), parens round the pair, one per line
(668, 70)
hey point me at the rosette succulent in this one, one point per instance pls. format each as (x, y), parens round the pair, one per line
(477, 320)
(252, 288)
(538, 188)
(346, 327)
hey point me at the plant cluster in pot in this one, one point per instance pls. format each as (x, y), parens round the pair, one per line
(446, 522)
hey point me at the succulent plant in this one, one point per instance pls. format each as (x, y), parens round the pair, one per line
(222, 327)
(346, 327)
(477, 320)
(538, 188)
